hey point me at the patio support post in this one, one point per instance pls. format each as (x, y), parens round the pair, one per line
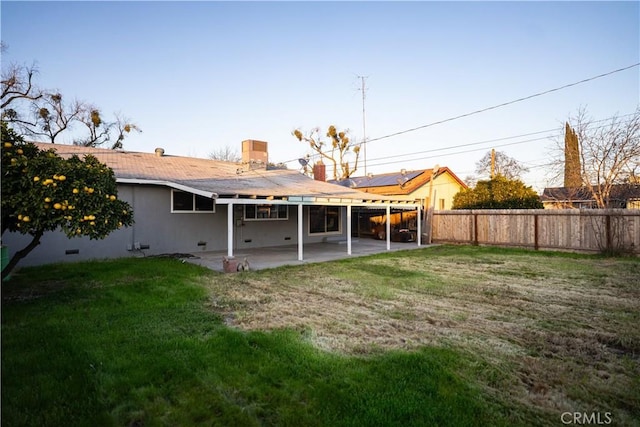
(419, 222)
(388, 227)
(230, 230)
(348, 229)
(300, 254)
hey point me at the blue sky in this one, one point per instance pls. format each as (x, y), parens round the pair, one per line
(199, 76)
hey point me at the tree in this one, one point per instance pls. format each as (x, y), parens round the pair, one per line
(226, 154)
(51, 117)
(502, 165)
(101, 132)
(17, 84)
(470, 180)
(44, 115)
(497, 193)
(336, 151)
(42, 192)
(571, 158)
(609, 153)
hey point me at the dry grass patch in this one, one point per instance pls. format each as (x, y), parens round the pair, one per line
(554, 332)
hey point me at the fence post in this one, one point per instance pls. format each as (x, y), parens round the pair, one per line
(429, 229)
(475, 228)
(608, 230)
(568, 229)
(536, 245)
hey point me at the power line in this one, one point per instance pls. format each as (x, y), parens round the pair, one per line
(556, 133)
(459, 152)
(504, 103)
(466, 145)
(496, 106)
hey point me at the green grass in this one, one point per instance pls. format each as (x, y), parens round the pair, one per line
(140, 342)
(131, 342)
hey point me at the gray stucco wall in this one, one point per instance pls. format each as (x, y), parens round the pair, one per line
(256, 233)
(165, 232)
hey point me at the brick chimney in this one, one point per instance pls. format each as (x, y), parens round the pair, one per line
(319, 171)
(255, 153)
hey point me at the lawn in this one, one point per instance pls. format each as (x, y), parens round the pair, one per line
(448, 335)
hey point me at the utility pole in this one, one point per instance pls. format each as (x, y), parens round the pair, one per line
(364, 127)
(493, 162)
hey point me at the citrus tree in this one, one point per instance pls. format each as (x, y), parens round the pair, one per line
(497, 193)
(42, 191)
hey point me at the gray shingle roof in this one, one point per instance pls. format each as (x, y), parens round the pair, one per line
(385, 179)
(226, 179)
(618, 192)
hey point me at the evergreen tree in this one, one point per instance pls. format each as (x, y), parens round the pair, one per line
(497, 193)
(572, 178)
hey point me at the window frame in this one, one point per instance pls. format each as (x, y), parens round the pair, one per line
(325, 232)
(278, 208)
(194, 203)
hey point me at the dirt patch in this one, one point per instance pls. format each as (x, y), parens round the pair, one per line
(564, 325)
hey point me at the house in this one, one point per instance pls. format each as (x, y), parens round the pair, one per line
(432, 187)
(436, 187)
(624, 196)
(188, 205)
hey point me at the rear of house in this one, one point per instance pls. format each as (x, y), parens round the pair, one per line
(188, 205)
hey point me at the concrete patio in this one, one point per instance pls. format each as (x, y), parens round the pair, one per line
(276, 256)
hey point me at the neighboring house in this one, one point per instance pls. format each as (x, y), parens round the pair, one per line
(431, 187)
(435, 189)
(622, 196)
(188, 205)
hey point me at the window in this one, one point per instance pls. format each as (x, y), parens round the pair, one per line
(441, 202)
(324, 219)
(265, 212)
(182, 201)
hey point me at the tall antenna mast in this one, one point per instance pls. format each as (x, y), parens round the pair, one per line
(364, 127)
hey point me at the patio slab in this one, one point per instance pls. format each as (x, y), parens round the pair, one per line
(276, 256)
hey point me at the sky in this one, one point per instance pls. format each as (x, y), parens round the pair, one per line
(201, 76)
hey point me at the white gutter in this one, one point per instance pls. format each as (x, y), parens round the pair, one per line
(290, 200)
(208, 194)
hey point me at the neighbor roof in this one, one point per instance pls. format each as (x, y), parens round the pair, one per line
(399, 183)
(214, 178)
(621, 192)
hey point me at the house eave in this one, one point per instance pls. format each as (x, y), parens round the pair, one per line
(169, 184)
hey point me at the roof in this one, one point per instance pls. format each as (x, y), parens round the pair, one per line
(399, 183)
(582, 194)
(564, 194)
(214, 178)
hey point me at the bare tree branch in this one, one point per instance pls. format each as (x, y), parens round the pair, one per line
(504, 165)
(226, 154)
(340, 145)
(122, 126)
(609, 153)
(43, 115)
(17, 83)
(51, 116)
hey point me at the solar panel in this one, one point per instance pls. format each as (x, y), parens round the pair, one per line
(385, 179)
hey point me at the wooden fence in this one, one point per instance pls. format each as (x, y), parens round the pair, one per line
(591, 230)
